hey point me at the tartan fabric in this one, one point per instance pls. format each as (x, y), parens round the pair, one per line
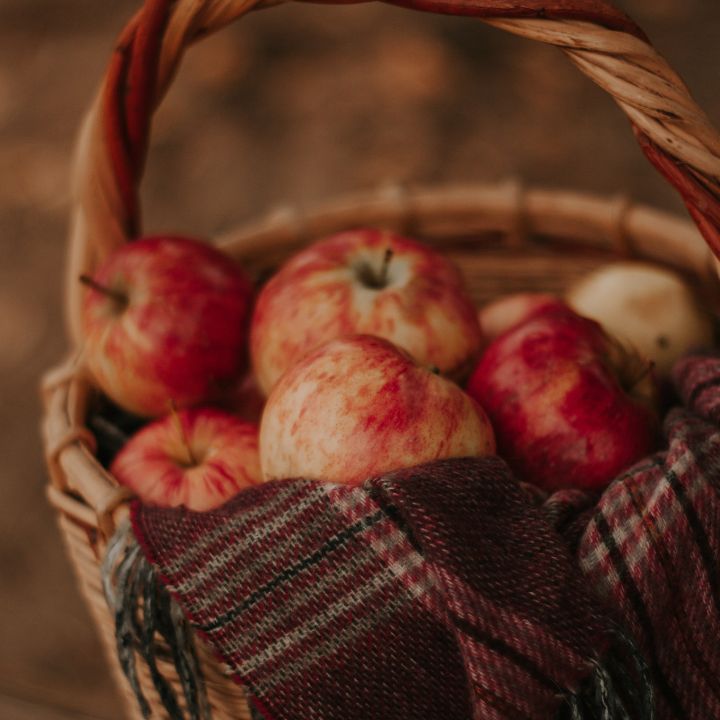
(652, 549)
(409, 597)
(451, 591)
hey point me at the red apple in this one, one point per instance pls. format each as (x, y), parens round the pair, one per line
(369, 282)
(359, 407)
(198, 458)
(165, 321)
(569, 405)
(507, 311)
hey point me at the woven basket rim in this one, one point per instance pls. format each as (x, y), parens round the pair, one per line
(604, 43)
(503, 215)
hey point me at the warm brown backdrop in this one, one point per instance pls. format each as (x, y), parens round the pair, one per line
(293, 104)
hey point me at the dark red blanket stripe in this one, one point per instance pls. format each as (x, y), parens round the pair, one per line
(412, 634)
(336, 686)
(700, 534)
(487, 490)
(641, 618)
(443, 591)
(652, 549)
(697, 378)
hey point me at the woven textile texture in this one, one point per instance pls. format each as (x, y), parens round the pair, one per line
(652, 549)
(451, 591)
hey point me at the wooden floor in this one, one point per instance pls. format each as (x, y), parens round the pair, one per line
(293, 104)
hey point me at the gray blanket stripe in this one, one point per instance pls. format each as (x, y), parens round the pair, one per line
(332, 643)
(300, 566)
(285, 495)
(284, 543)
(227, 551)
(330, 584)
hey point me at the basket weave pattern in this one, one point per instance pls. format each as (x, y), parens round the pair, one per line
(504, 237)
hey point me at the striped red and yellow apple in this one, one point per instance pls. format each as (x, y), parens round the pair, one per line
(358, 407)
(197, 458)
(371, 282)
(165, 322)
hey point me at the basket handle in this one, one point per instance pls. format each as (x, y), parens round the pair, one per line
(605, 44)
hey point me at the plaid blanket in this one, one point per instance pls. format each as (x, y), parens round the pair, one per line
(450, 591)
(652, 550)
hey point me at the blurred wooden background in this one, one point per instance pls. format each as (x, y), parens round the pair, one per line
(292, 104)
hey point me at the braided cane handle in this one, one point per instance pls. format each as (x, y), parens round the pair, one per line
(673, 132)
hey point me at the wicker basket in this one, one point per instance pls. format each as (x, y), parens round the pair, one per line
(504, 237)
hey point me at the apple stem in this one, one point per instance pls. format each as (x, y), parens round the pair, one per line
(118, 297)
(191, 461)
(384, 268)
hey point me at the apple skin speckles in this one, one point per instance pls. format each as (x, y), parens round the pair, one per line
(198, 458)
(180, 336)
(359, 407)
(348, 284)
(555, 390)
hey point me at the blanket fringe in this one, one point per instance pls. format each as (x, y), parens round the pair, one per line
(614, 691)
(144, 612)
(618, 688)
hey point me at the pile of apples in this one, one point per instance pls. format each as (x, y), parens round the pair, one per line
(364, 354)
